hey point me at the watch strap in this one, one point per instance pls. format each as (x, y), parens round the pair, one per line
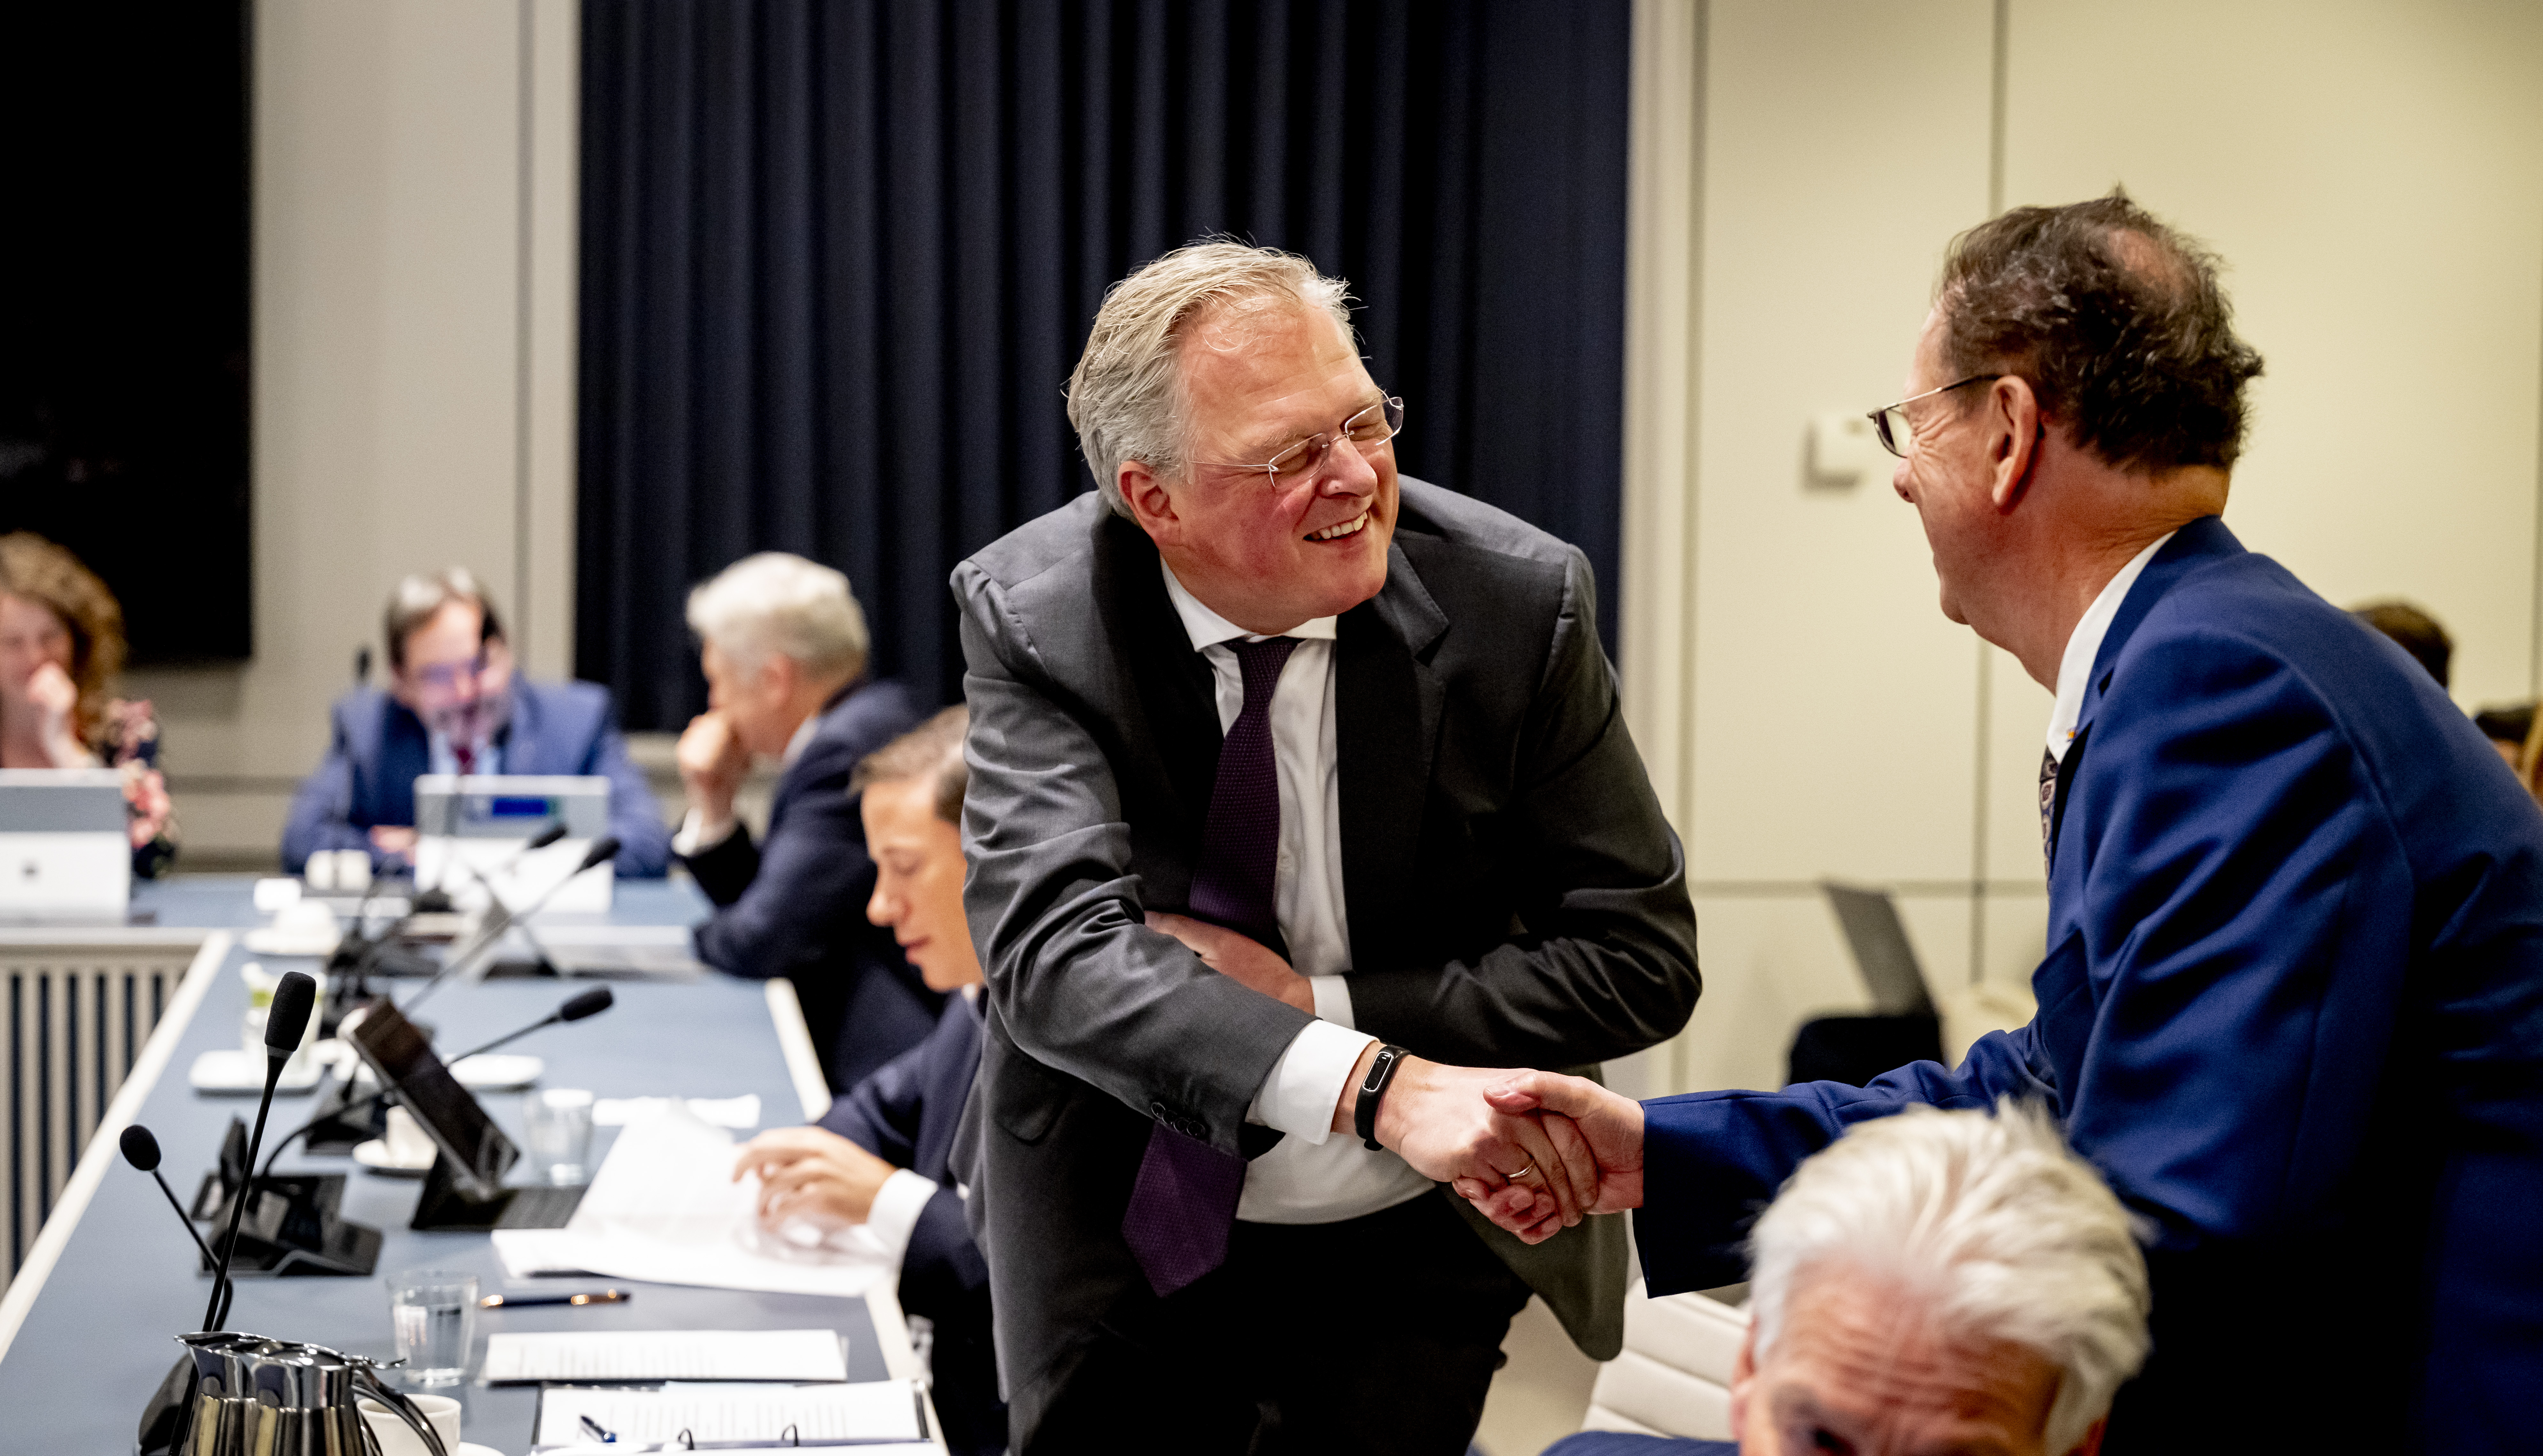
(1372, 1092)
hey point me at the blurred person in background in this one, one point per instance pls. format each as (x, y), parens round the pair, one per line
(783, 646)
(454, 707)
(876, 1170)
(1931, 1283)
(2415, 632)
(2507, 728)
(61, 645)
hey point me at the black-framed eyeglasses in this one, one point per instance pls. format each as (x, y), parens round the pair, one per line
(1368, 429)
(1889, 422)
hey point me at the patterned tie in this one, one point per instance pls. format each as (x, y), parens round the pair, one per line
(1185, 1199)
(466, 753)
(2048, 802)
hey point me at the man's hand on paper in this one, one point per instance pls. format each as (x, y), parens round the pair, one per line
(814, 1175)
(1610, 1127)
(1238, 956)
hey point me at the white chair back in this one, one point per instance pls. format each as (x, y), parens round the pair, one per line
(1673, 1377)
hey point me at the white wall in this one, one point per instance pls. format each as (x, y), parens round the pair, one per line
(414, 366)
(2373, 178)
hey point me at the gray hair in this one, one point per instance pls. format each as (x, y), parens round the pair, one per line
(1125, 397)
(418, 598)
(774, 602)
(2005, 1233)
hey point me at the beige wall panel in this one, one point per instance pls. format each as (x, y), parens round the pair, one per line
(2373, 175)
(1844, 142)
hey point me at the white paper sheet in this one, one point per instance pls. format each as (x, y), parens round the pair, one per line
(514, 1358)
(664, 1209)
(739, 1112)
(882, 1409)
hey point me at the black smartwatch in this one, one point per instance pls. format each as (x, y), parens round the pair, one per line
(1373, 1091)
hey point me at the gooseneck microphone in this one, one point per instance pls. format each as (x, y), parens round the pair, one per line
(285, 1019)
(142, 1150)
(499, 918)
(585, 1004)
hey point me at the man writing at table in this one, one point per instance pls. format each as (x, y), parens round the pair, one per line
(2292, 1006)
(1352, 739)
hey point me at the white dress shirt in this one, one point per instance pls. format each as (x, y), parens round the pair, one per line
(2084, 644)
(442, 759)
(1312, 1176)
(697, 834)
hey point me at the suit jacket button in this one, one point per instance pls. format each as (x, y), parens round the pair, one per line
(1157, 1110)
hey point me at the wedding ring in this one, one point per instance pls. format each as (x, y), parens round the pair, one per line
(1522, 1173)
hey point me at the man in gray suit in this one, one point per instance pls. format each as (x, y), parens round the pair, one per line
(1300, 797)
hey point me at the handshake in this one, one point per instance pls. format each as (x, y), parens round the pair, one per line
(1535, 1151)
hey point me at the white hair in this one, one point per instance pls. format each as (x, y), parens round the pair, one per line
(1992, 1223)
(1125, 396)
(774, 602)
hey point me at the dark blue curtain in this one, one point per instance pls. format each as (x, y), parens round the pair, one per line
(840, 258)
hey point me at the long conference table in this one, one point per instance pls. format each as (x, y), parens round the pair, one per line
(87, 1325)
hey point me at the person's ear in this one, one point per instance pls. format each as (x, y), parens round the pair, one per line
(2013, 430)
(1151, 502)
(1743, 1379)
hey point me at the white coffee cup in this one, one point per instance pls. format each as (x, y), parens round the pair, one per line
(396, 1438)
(408, 1145)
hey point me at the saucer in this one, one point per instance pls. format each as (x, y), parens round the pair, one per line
(230, 1070)
(374, 1155)
(496, 1071)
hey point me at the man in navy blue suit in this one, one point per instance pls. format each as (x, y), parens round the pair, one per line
(876, 1170)
(783, 646)
(2292, 1004)
(453, 706)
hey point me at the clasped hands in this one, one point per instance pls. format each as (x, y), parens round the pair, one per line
(1535, 1151)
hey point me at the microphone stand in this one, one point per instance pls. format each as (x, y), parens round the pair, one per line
(500, 920)
(286, 1017)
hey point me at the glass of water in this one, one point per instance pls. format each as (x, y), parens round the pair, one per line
(434, 1314)
(557, 1122)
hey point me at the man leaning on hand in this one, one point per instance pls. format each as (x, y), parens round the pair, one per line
(1289, 778)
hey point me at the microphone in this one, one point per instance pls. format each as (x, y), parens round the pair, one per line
(585, 1004)
(286, 1017)
(499, 918)
(142, 1150)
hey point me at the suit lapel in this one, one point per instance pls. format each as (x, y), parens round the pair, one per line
(521, 733)
(1386, 725)
(1171, 708)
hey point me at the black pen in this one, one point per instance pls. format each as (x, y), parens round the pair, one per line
(598, 1432)
(524, 1301)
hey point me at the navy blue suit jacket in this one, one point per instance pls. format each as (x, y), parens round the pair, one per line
(907, 1114)
(378, 750)
(2293, 1007)
(797, 907)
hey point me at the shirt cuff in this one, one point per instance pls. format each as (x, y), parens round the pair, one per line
(697, 835)
(898, 1204)
(1306, 1083)
(1332, 1000)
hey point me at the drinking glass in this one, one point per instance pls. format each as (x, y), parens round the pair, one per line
(558, 1123)
(434, 1314)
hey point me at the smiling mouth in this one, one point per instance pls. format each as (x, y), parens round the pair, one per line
(1351, 527)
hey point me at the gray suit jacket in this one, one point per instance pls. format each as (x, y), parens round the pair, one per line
(1515, 896)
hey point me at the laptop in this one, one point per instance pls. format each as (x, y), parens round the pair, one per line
(482, 822)
(1882, 954)
(64, 852)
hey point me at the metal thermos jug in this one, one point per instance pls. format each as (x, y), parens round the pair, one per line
(259, 1397)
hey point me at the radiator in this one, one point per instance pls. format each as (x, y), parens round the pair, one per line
(77, 1018)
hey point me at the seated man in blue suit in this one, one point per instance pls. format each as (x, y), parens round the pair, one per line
(1933, 1283)
(783, 646)
(2293, 1003)
(453, 706)
(878, 1162)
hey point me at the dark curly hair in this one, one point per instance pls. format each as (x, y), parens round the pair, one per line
(2115, 319)
(32, 568)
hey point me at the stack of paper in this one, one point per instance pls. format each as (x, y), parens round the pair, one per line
(883, 1410)
(526, 1359)
(665, 1207)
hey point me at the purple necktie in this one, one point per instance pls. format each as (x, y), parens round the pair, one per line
(1185, 1199)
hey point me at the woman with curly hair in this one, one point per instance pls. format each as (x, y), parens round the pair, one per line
(61, 645)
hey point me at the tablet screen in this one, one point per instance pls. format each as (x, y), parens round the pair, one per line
(478, 1152)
